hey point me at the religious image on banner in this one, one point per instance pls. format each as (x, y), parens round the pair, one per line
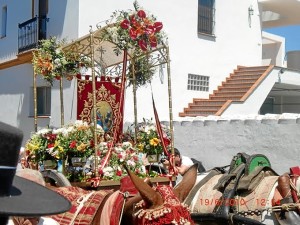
(109, 111)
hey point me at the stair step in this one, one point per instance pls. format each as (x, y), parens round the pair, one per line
(205, 107)
(229, 93)
(194, 115)
(203, 112)
(234, 98)
(208, 102)
(237, 85)
(245, 76)
(253, 68)
(240, 80)
(232, 89)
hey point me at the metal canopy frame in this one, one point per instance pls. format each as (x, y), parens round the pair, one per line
(105, 61)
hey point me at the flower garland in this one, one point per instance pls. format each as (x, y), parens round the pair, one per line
(53, 63)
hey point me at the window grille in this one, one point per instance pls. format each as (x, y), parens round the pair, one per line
(206, 16)
(198, 82)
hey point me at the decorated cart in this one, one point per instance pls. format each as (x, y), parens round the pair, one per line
(91, 150)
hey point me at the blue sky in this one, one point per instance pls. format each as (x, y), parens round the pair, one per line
(291, 34)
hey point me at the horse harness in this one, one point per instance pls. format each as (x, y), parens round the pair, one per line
(241, 177)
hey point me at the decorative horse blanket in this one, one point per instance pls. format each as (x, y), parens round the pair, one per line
(85, 205)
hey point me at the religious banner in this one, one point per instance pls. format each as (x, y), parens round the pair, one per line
(109, 107)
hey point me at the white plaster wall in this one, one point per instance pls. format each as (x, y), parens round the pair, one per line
(16, 13)
(15, 87)
(236, 43)
(273, 51)
(215, 140)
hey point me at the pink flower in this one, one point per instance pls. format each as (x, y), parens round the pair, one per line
(141, 14)
(125, 24)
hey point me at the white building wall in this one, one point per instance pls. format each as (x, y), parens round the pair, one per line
(236, 42)
(273, 51)
(16, 13)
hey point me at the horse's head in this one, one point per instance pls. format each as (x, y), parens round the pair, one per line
(160, 204)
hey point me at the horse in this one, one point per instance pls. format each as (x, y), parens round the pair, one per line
(139, 203)
(223, 196)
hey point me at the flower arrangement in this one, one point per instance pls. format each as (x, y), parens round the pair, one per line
(140, 31)
(52, 63)
(148, 140)
(73, 140)
(122, 153)
(135, 29)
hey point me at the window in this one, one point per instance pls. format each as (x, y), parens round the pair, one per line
(206, 16)
(3, 22)
(198, 82)
(43, 101)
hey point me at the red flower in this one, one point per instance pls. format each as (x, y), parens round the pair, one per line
(119, 173)
(125, 24)
(73, 144)
(141, 14)
(133, 21)
(158, 26)
(132, 33)
(166, 141)
(143, 45)
(153, 41)
(51, 145)
(149, 29)
(92, 143)
(57, 77)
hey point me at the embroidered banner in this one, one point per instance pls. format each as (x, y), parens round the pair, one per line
(109, 107)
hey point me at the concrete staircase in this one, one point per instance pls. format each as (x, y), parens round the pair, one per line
(236, 87)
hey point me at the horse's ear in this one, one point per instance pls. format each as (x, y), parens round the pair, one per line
(151, 197)
(187, 183)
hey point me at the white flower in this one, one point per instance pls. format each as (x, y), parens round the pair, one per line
(131, 163)
(108, 171)
(123, 156)
(126, 145)
(58, 131)
(43, 131)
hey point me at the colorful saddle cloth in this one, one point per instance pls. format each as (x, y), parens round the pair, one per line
(85, 205)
